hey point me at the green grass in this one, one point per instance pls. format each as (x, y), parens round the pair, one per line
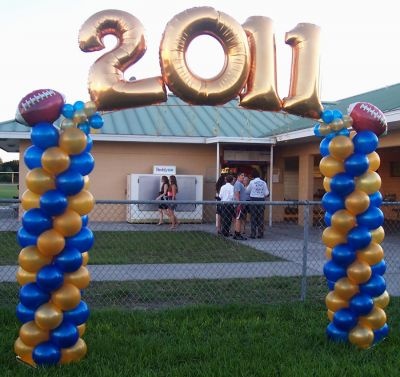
(8, 191)
(267, 341)
(153, 247)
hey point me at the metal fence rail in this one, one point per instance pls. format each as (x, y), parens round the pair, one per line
(136, 263)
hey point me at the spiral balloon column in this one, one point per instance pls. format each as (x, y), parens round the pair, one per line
(355, 266)
(55, 238)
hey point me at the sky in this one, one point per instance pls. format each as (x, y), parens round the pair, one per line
(39, 42)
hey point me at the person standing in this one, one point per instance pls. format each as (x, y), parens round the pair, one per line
(163, 195)
(227, 210)
(218, 185)
(239, 195)
(258, 193)
(246, 209)
(172, 191)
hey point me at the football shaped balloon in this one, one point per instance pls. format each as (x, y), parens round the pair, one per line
(42, 105)
(367, 116)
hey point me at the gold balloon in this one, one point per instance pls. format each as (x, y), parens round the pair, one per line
(324, 129)
(382, 301)
(378, 234)
(347, 123)
(303, 98)
(261, 89)
(31, 260)
(67, 123)
(107, 86)
(25, 277)
(178, 34)
(81, 329)
(341, 147)
(359, 272)
(85, 258)
(48, 316)
(337, 125)
(82, 203)
(361, 337)
(334, 302)
(373, 320)
(357, 202)
(73, 141)
(30, 200)
(327, 184)
(369, 182)
(50, 242)
(86, 182)
(328, 253)
(331, 237)
(345, 288)
(330, 166)
(24, 352)
(330, 314)
(79, 117)
(79, 278)
(68, 224)
(342, 221)
(74, 353)
(90, 108)
(55, 160)
(371, 254)
(374, 161)
(67, 297)
(32, 335)
(39, 181)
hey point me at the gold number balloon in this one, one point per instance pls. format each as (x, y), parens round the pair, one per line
(261, 89)
(178, 34)
(303, 98)
(107, 86)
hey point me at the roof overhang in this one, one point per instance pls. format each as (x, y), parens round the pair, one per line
(241, 140)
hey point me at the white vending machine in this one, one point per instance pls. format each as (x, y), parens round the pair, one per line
(144, 187)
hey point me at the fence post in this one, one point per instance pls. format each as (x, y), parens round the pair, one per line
(306, 224)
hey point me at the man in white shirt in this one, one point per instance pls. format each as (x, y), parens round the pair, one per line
(258, 190)
(226, 195)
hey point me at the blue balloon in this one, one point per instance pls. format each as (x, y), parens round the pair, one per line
(46, 353)
(85, 220)
(32, 296)
(337, 114)
(359, 237)
(356, 164)
(316, 130)
(375, 199)
(333, 271)
(327, 116)
(381, 333)
(332, 202)
(78, 315)
(79, 105)
(372, 218)
(53, 202)
(82, 163)
(336, 334)
(44, 135)
(343, 132)
(379, 268)
(361, 303)
(35, 221)
(331, 284)
(49, 278)
(69, 260)
(374, 287)
(89, 144)
(324, 147)
(342, 184)
(25, 314)
(96, 121)
(33, 156)
(25, 238)
(83, 240)
(70, 182)
(345, 319)
(365, 142)
(331, 135)
(343, 255)
(85, 128)
(68, 111)
(328, 218)
(65, 335)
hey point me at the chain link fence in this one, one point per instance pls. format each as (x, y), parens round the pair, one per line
(136, 263)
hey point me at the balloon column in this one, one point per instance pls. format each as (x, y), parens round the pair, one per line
(355, 266)
(54, 236)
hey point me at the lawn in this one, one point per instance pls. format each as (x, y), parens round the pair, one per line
(153, 247)
(8, 191)
(257, 340)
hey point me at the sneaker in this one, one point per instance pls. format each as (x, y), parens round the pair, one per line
(239, 237)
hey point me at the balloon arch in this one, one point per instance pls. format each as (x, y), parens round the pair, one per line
(55, 237)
